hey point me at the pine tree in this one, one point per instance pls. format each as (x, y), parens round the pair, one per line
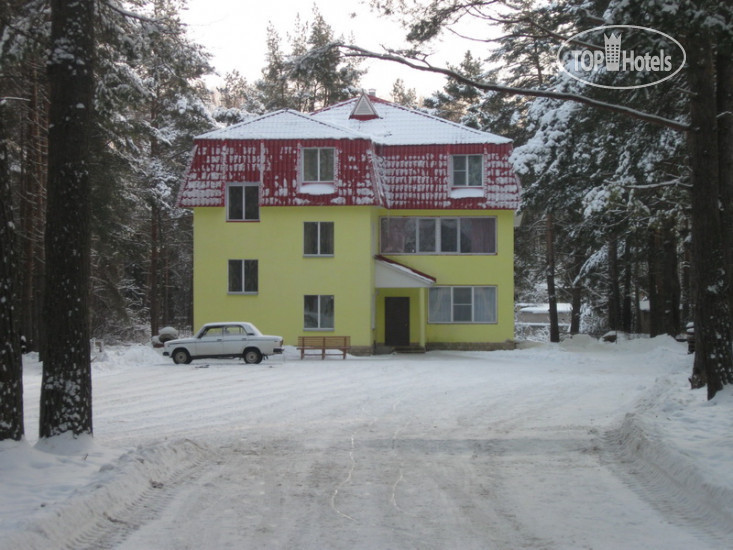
(17, 50)
(273, 88)
(11, 368)
(404, 96)
(174, 112)
(66, 388)
(326, 77)
(24, 42)
(313, 75)
(236, 100)
(151, 105)
(455, 99)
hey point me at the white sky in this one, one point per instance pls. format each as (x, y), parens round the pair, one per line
(234, 32)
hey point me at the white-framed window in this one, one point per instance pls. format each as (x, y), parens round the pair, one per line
(318, 238)
(243, 202)
(243, 277)
(467, 170)
(462, 304)
(318, 312)
(472, 235)
(319, 164)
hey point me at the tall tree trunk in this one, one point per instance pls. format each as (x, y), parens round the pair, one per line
(638, 316)
(576, 295)
(66, 389)
(614, 295)
(713, 354)
(627, 312)
(154, 269)
(656, 276)
(11, 369)
(32, 212)
(724, 67)
(687, 292)
(551, 295)
(670, 281)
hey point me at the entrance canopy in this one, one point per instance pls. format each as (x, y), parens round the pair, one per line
(392, 274)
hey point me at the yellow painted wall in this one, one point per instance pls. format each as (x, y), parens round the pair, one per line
(285, 275)
(453, 270)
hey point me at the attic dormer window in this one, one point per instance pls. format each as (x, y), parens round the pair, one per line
(466, 171)
(364, 109)
(319, 164)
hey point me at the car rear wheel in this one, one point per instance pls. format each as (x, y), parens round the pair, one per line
(252, 355)
(181, 356)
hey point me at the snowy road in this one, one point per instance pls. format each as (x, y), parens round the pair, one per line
(507, 450)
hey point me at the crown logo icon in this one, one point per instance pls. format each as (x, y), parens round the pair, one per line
(613, 51)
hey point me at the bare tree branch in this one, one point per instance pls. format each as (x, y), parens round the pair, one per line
(423, 65)
(129, 14)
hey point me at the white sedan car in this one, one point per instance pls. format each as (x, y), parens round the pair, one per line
(224, 340)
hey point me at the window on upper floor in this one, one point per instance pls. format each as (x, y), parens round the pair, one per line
(467, 171)
(318, 238)
(243, 202)
(462, 304)
(319, 164)
(438, 235)
(243, 277)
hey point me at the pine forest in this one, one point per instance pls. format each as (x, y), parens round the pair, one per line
(627, 196)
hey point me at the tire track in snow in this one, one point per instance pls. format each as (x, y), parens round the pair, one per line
(666, 482)
(141, 484)
(425, 455)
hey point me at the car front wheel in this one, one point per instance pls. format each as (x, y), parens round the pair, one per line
(181, 356)
(252, 356)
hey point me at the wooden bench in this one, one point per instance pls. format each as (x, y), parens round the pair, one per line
(322, 343)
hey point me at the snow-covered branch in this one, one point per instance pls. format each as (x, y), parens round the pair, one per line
(130, 14)
(649, 186)
(423, 65)
(9, 98)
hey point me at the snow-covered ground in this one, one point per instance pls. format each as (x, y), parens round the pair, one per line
(577, 445)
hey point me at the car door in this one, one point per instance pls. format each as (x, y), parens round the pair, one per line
(233, 340)
(209, 342)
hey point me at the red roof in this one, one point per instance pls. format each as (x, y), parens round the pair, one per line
(398, 159)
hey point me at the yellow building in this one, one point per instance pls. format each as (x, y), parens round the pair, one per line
(364, 219)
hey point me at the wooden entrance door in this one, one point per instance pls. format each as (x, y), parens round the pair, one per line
(397, 321)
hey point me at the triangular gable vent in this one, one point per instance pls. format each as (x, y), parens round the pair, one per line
(364, 109)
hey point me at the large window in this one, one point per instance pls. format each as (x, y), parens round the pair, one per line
(243, 202)
(467, 170)
(438, 235)
(243, 276)
(318, 312)
(318, 238)
(462, 304)
(319, 164)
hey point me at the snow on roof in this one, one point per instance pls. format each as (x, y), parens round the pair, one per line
(361, 117)
(407, 276)
(395, 173)
(284, 124)
(363, 109)
(398, 125)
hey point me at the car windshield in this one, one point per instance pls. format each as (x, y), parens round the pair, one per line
(211, 332)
